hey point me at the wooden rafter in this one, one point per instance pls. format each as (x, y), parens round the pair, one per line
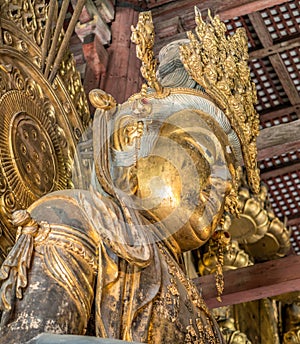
(246, 284)
(293, 220)
(278, 140)
(225, 9)
(274, 113)
(278, 48)
(281, 170)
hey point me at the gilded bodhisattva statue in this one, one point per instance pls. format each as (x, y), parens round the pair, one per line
(107, 261)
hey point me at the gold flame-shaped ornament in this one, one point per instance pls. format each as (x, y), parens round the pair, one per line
(219, 64)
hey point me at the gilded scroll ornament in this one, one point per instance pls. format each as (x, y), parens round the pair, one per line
(27, 16)
(102, 100)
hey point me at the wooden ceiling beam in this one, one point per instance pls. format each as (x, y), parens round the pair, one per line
(285, 79)
(294, 221)
(278, 48)
(246, 284)
(280, 170)
(225, 9)
(278, 140)
(272, 114)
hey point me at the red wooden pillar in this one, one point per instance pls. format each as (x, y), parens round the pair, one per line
(122, 77)
(94, 33)
(96, 63)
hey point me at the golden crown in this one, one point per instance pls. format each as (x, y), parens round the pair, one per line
(218, 62)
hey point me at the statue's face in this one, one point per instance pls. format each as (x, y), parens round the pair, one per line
(183, 182)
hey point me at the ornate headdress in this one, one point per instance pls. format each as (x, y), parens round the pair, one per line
(219, 64)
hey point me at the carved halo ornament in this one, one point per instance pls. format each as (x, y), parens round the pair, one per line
(30, 147)
(43, 107)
